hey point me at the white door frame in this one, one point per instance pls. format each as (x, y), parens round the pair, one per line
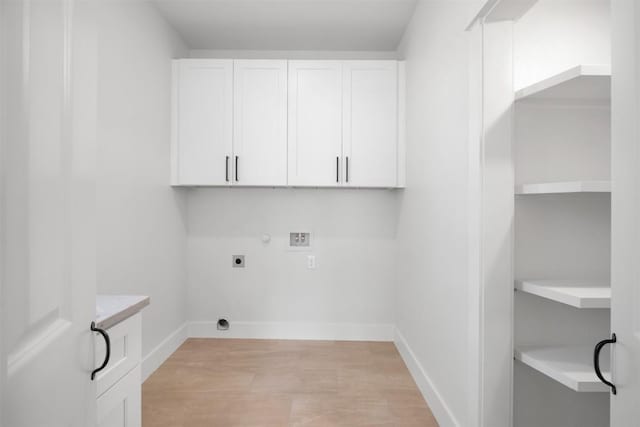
(490, 228)
(3, 361)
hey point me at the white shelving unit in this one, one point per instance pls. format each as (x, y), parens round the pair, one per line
(582, 82)
(571, 366)
(562, 148)
(576, 293)
(561, 218)
(564, 187)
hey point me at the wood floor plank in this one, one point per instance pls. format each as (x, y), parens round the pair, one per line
(230, 382)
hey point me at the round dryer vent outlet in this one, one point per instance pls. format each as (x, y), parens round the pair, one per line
(223, 324)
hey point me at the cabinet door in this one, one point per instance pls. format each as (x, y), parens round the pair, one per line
(126, 352)
(203, 103)
(260, 123)
(370, 123)
(315, 123)
(121, 405)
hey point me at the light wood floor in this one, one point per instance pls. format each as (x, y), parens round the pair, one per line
(210, 382)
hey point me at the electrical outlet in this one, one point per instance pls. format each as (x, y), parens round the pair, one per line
(237, 261)
(299, 239)
(311, 262)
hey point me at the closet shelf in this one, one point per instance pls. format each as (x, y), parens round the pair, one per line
(571, 366)
(564, 187)
(582, 82)
(502, 10)
(576, 293)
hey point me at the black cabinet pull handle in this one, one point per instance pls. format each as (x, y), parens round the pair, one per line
(596, 361)
(107, 341)
(337, 169)
(226, 168)
(236, 168)
(347, 176)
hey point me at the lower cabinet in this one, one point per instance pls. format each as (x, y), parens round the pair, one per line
(119, 383)
(120, 406)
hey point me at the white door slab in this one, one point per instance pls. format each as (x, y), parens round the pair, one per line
(48, 262)
(625, 266)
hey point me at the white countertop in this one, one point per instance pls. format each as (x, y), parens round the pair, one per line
(113, 309)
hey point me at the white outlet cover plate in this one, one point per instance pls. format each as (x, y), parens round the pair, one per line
(311, 262)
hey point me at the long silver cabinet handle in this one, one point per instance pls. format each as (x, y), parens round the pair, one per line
(347, 174)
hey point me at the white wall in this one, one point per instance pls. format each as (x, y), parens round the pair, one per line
(431, 307)
(353, 239)
(348, 295)
(141, 220)
(556, 35)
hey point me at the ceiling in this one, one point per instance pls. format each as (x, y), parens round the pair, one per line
(289, 24)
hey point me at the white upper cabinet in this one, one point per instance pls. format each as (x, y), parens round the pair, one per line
(202, 140)
(315, 123)
(260, 123)
(287, 123)
(370, 123)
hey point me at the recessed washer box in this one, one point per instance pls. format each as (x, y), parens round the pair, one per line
(299, 240)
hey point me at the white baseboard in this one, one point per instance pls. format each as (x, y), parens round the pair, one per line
(162, 351)
(296, 331)
(439, 408)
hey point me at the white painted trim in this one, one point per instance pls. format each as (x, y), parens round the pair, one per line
(402, 125)
(490, 231)
(162, 351)
(296, 331)
(482, 13)
(3, 141)
(292, 54)
(175, 80)
(501, 10)
(475, 170)
(438, 406)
